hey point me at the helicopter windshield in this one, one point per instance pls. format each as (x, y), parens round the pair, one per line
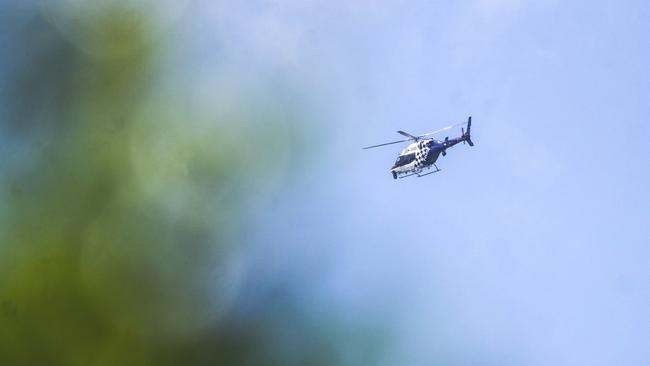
(404, 159)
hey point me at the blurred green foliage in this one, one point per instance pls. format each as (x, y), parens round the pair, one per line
(122, 206)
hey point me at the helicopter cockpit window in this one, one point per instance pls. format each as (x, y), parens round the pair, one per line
(404, 159)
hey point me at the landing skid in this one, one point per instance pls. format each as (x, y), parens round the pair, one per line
(406, 176)
(418, 173)
(429, 173)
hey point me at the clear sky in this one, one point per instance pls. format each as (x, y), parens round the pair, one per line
(530, 248)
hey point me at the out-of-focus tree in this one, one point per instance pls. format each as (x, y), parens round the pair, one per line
(122, 207)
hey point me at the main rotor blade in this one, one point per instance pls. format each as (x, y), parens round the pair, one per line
(415, 138)
(442, 129)
(384, 144)
(407, 135)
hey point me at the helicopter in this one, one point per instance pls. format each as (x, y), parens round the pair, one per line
(423, 153)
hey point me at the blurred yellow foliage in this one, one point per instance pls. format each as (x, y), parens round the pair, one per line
(123, 200)
(121, 208)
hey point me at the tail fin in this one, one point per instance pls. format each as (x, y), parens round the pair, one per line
(467, 135)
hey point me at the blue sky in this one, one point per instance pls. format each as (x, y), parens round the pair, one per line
(530, 248)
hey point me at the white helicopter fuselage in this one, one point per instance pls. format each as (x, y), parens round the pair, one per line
(415, 156)
(424, 152)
